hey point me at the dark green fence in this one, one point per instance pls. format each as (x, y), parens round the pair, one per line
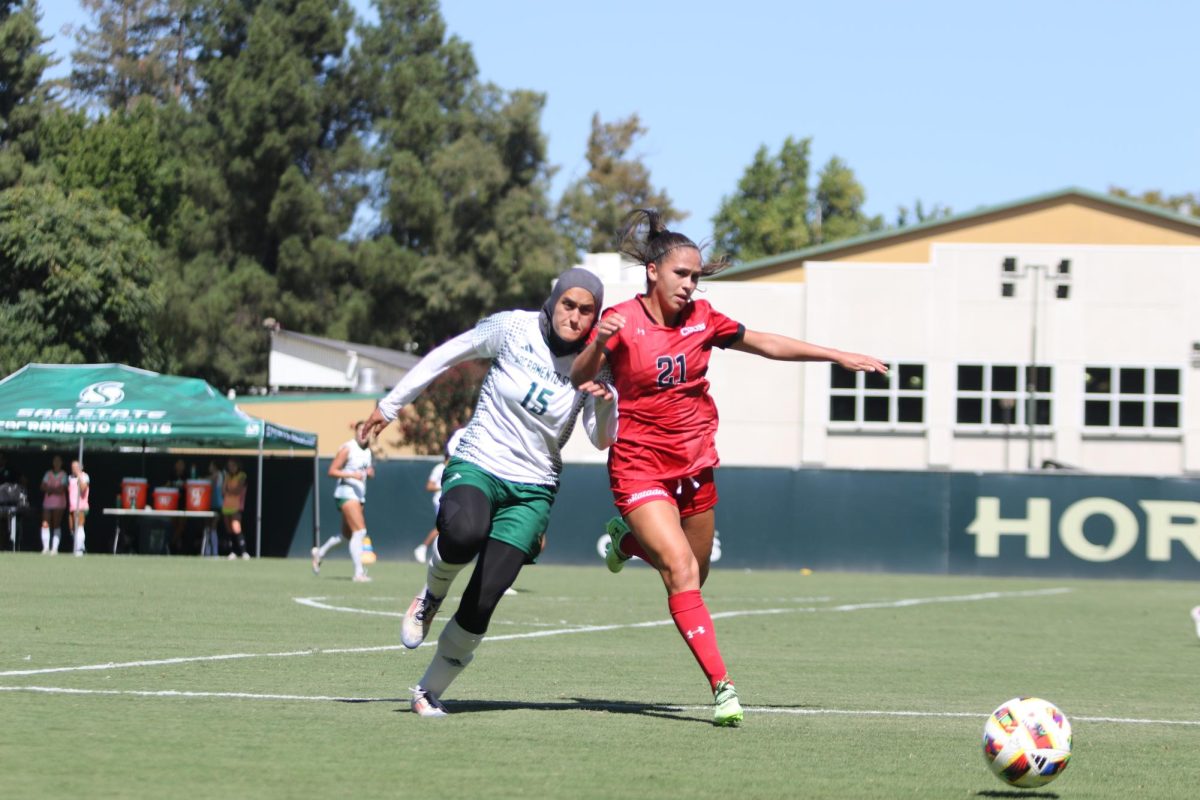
(935, 522)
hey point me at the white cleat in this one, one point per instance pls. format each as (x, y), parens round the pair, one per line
(1196, 619)
(420, 552)
(426, 704)
(316, 560)
(418, 618)
(364, 578)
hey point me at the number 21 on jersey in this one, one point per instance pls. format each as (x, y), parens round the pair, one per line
(671, 370)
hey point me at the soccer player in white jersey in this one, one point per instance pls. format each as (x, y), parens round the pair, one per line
(501, 482)
(351, 466)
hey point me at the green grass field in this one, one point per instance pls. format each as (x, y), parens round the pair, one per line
(180, 677)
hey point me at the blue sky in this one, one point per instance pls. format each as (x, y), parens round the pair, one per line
(963, 104)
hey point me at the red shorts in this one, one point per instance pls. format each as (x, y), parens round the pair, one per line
(693, 495)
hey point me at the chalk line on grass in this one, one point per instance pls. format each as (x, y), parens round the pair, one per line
(805, 712)
(902, 603)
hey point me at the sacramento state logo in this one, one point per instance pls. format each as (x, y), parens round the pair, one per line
(104, 393)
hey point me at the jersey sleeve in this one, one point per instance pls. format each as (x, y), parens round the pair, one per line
(725, 331)
(600, 418)
(488, 334)
(614, 341)
(482, 341)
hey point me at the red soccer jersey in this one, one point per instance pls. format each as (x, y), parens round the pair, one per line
(668, 421)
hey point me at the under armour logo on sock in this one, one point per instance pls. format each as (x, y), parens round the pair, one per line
(696, 632)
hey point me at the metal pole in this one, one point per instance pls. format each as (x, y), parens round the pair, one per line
(262, 429)
(1031, 378)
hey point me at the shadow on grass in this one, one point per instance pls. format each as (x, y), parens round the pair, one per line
(1016, 793)
(661, 710)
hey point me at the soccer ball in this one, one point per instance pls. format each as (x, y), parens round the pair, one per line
(1027, 742)
(368, 551)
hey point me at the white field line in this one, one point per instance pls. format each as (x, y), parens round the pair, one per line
(319, 603)
(903, 603)
(804, 712)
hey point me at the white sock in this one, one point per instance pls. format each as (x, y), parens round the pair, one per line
(455, 650)
(440, 574)
(356, 549)
(80, 537)
(45, 538)
(330, 543)
(54, 540)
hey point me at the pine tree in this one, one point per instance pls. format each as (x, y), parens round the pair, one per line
(617, 182)
(23, 96)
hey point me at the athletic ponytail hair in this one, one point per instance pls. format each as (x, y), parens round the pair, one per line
(645, 239)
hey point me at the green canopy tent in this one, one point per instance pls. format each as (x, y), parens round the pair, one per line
(113, 406)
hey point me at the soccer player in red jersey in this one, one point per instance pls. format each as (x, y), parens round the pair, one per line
(661, 467)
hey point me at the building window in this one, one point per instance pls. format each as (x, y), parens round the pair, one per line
(895, 399)
(1131, 399)
(991, 395)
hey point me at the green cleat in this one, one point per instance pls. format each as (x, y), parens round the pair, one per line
(727, 711)
(613, 558)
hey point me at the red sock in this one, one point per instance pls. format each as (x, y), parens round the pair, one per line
(696, 627)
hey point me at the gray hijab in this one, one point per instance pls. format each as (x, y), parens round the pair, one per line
(574, 278)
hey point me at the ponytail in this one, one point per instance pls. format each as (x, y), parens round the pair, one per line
(645, 239)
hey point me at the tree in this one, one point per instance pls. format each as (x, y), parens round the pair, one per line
(840, 199)
(591, 208)
(774, 210)
(770, 212)
(269, 184)
(461, 180)
(1185, 204)
(135, 50)
(22, 94)
(80, 282)
(920, 214)
(131, 158)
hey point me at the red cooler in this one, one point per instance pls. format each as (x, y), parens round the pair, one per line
(134, 492)
(166, 498)
(198, 494)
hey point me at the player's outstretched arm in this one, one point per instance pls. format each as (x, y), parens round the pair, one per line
(423, 373)
(371, 426)
(785, 348)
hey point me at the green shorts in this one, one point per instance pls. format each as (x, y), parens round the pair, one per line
(521, 511)
(341, 501)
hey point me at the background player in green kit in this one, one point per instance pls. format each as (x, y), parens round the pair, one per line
(498, 488)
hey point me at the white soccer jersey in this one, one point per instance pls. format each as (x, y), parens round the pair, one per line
(527, 406)
(359, 459)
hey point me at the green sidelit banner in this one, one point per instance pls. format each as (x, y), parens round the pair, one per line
(935, 522)
(113, 405)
